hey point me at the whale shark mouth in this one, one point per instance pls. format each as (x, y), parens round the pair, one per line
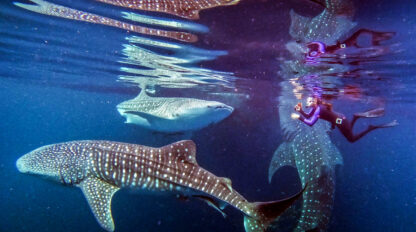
(219, 107)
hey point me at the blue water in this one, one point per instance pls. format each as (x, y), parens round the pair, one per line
(59, 81)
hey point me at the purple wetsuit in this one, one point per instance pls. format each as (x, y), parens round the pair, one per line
(336, 119)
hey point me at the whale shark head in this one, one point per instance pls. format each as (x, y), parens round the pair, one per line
(55, 162)
(203, 112)
(42, 161)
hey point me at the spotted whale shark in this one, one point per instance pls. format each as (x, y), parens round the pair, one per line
(328, 26)
(311, 151)
(101, 168)
(172, 114)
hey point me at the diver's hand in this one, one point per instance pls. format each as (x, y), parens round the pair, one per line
(294, 116)
(298, 107)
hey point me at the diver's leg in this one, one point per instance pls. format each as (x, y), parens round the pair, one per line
(354, 119)
(347, 130)
(360, 135)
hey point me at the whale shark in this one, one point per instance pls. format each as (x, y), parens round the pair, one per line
(172, 114)
(101, 168)
(311, 151)
(327, 27)
(47, 8)
(181, 8)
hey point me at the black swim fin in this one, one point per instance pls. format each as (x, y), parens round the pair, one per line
(375, 113)
(390, 124)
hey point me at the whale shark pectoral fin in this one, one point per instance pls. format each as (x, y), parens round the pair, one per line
(99, 194)
(283, 156)
(38, 7)
(217, 205)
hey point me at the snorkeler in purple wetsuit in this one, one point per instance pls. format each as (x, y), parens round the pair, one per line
(321, 110)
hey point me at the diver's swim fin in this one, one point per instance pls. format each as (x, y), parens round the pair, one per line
(390, 124)
(375, 113)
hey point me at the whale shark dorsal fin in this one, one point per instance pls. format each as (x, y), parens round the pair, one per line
(142, 94)
(183, 151)
(283, 156)
(227, 183)
(99, 194)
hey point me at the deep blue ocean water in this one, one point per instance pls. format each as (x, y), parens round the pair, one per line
(59, 82)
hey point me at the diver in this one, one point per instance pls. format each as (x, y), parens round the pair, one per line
(324, 111)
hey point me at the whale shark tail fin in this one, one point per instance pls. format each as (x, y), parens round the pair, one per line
(267, 212)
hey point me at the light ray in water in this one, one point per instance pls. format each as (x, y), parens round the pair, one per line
(195, 27)
(183, 8)
(47, 8)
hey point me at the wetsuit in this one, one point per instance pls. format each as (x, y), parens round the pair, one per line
(336, 119)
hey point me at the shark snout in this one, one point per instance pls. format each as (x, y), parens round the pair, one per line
(20, 165)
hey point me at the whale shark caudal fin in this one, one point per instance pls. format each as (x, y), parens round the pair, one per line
(99, 195)
(283, 156)
(268, 212)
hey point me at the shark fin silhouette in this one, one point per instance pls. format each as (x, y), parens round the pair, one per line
(268, 212)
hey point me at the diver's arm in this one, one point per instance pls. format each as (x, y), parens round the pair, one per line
(299, 109)
(313, 118)
(307, 115)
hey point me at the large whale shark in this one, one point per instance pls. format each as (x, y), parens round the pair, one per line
(172, 114)
(310, 149)
(101, 168)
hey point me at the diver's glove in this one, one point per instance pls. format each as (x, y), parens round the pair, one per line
(298, 107)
